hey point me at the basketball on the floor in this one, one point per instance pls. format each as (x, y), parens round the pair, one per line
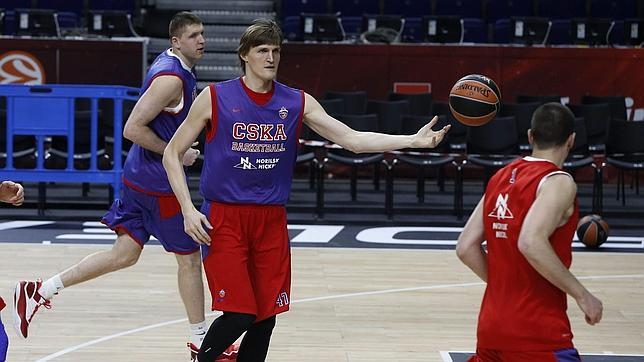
(474, 100)
(592, 230)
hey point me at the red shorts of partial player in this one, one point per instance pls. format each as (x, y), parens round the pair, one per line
(248, 263)
(561, 355)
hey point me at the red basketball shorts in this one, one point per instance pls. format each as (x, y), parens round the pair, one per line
(248, 262)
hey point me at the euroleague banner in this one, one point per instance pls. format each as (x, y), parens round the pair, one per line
(20, 67)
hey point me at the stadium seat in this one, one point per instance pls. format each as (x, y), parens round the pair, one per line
(408, 8)
(617, 105)
(333, 106)
(613, 9)
(73, 6)
(291, 28)
(363, 122)
(504, 9)
(597, 118)
(625, 151)
(525, 98)
(424, 159)
(475, 30)
(389, 114)
(557, 9)
(412, 33)
(122, 5)
(462, 8)
(420, 104)
(522, 113)
(356, 7)
(458, 133)
(296, 7)
(15, 4)
(580, 157)
(501, 31)
(493, 145)
(560, 32)
(354, 102)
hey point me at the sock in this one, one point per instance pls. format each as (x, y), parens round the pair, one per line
(51, 286)
(197, 333)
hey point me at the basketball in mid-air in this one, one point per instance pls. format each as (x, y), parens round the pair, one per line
(592, 230)
(474, 100)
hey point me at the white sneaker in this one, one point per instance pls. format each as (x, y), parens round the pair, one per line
(26, 301)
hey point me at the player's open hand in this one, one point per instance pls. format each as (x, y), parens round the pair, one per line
(193, 224)
(12, 193)
(428, 138)
(190, 156)
(592, 308)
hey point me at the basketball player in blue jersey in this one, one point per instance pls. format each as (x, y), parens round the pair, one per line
(147, 206)
(252, 128)
(11, 193)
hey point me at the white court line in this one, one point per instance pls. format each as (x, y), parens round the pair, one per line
(314, 299)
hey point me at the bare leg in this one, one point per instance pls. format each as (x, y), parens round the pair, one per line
(191, 285)
(124, 253)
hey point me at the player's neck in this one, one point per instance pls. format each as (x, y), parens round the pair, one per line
(189, 62)
(257, 84)
(554, 155)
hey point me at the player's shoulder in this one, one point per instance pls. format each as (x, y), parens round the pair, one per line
(286, 87)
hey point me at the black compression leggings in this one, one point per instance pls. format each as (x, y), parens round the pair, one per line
(228, 327)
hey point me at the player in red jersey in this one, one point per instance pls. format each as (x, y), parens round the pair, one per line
(252, 125)
(528, 216)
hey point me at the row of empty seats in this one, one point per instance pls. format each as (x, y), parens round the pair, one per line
(455, 29)
(600, 126)
(488, 10)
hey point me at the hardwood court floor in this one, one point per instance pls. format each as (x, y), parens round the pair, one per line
(329, 320)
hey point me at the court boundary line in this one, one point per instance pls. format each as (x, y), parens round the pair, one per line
(305, 300)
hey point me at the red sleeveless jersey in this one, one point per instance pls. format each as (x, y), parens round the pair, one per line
(521, 310)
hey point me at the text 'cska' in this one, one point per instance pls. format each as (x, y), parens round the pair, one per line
(259, 132)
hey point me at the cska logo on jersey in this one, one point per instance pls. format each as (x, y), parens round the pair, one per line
(283, 113)
(501, 210)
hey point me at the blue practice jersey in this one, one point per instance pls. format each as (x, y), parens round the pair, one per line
(143, 169)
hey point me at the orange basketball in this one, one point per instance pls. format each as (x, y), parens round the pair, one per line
(592, 230)
(474, 100)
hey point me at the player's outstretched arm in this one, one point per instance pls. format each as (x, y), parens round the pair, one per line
(553, 205)
(186, 134)
(469, 247)
(12, 193)
(335, 131)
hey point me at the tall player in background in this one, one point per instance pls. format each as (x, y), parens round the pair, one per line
(252, 127)
(147, 206)
(528, 216)
(11, 193)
